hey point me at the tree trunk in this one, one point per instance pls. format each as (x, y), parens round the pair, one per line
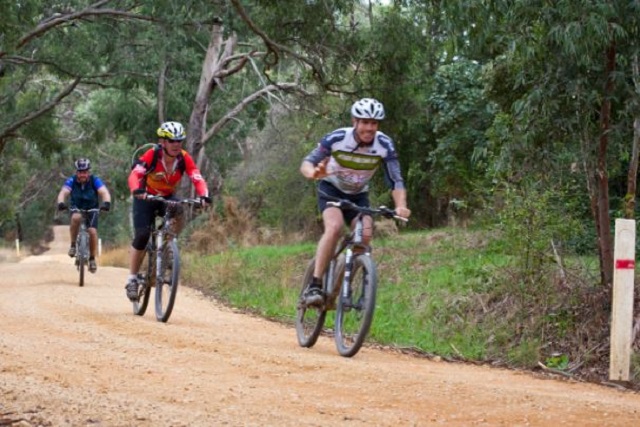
(205, 88)
(605, 244)
(197, 120)
(630, 198)
(162, 79)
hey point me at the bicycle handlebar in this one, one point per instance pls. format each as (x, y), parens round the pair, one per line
(382, 210)
(185, 201)
(84, 210)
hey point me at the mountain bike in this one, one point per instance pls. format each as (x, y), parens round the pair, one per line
(82, 241)
(162, 263)
(349, 283)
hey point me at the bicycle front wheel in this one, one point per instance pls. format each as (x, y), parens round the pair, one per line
(167, 281)
(309, 320)
(355, 312)
(144, 285)
(82, 255)
(81, 264)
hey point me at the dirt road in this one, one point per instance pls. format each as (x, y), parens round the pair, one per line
(72, 356)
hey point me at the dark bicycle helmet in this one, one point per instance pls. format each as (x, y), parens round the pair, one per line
(172, 130)
(367, 108)
(82, 164)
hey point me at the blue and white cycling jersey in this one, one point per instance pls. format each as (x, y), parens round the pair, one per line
(84, 196)
(352, 165)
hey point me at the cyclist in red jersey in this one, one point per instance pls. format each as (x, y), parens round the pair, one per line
(158, 172)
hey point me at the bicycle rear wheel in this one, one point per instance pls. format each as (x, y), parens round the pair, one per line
(167, 281)
(355, 313)
(82, 254)
(309, 320)
(144, 285)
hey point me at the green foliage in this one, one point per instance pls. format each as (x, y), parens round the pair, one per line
(557, 361)
(525, 354)
(635, 366)
(269, 182)
(110, 112)
(401, 77)
(535, 220)
(461, 116)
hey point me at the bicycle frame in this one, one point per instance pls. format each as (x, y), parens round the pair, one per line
(354, 298)
(351, 245)
(162, 258)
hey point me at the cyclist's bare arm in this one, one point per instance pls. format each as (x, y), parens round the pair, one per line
(311, 171)
(104, 194)
(400, 202)
(62, 195)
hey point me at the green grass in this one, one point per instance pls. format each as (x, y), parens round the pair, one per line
(426, 280)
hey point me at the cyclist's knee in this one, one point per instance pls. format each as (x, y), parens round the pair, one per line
(332, 231)
(140, 239)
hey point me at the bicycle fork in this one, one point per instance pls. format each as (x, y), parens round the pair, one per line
(345, 292)
(159, 244)
(82, 245)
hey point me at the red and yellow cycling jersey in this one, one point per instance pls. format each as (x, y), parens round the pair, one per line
(164, 178)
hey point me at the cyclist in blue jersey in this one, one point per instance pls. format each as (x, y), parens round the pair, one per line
(344, 162)
(86, 191)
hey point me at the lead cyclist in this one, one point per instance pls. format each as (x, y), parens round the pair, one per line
(344, 162)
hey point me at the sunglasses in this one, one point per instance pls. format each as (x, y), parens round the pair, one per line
(173, 141)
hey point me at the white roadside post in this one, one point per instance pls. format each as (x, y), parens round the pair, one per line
(622, 301)
(18, 248)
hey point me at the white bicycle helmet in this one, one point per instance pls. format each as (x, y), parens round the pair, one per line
(82, 164)
(367, 108)
(172, 130)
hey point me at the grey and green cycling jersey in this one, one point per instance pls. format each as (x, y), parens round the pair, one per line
(351, 165)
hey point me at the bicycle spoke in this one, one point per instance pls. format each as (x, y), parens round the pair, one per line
(145, 281)
(167, 281)
(309, 320)
(355, 311)
(82, 248)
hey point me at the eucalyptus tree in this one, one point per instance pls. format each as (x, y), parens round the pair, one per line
(561, 74)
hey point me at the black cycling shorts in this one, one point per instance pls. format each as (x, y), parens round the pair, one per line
(145, 211)
(90, 219)
(326, 189)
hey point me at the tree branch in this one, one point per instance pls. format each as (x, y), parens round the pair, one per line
(8, 132)
(45, 26)
(274, 47)
(215, 128)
